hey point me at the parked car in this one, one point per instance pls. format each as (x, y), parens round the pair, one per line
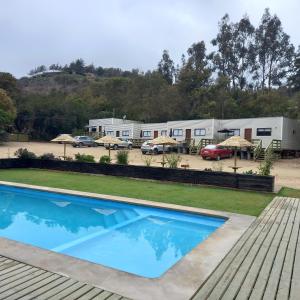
(84, 141)
(215, 152)
(149, 148)
(125, 144)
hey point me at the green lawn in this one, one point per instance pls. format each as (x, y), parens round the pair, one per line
(250, 203)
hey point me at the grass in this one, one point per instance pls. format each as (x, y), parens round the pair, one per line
(249, 203)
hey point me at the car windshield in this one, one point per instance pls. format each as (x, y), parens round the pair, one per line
(211, 147)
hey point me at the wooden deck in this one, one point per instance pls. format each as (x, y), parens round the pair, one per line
(265, 262)
(22, 281)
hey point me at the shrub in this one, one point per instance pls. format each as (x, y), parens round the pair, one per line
(266, 166)
(23, 153)
(48, 156)
(84, 157)
(105, 159)
(173, 160)
(250, 172)
(122, 157)
(208, 170)
(148, 160)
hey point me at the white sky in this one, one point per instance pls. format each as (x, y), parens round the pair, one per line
(120, 33)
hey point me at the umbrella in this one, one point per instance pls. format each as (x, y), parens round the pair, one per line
(236, 142)
(64, 139)
(108, 140)
(164, 140)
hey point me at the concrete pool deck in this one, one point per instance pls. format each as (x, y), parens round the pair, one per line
(179, 282)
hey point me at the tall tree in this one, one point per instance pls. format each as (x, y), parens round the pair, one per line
(7, 111)
(294, 79)
(166, 67)
(274, 52)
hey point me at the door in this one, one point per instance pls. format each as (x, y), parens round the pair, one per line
(188, 134)
(155, 133)
(248, 134)
(117, 133)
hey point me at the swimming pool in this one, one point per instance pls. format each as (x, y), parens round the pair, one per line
(141, 240)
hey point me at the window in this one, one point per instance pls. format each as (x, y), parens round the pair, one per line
(234, 132)
(264, 131)
(94, 129)
(164, 132)
(109, 132)
(199, 132)
(125, 133)
(146, 133)
(177, 132)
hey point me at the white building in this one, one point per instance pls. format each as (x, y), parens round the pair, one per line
(264, 129)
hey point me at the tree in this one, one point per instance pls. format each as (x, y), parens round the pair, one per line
(294, 79)
(7, 111)
(77, 66)
(274, 52)
(166, 67)
(8, 82)
(55, 67)
(39, 69)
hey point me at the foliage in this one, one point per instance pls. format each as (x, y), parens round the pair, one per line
(148, 160)
(122, 157)
(250, 172)
(267, 164)
(84, 158)
(48, 156)
(173, 160)
(105, 159)
(23, 153)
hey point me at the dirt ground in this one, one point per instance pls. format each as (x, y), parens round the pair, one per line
(287, 172)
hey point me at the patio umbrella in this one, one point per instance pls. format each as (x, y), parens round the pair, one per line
(236, 142)
(63, 139)
(110, 140)
(164, 140)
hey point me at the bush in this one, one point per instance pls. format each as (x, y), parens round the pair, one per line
(173, 160)
(266, 166)
(250, 172)
(122, 157)
(24, 154)
(105, 159)
(148, 160)
(84, 158)
(47, 156)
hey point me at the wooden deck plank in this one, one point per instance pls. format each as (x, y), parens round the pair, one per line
(264, 239)
(257, 225)
(246, 276)
(265, 271)
(103, 296)
(278, 263)
(80, 293)
(91, 294)
(56, 290)
(68, 291)
(265, 262)
(16, 275)
(228, 275)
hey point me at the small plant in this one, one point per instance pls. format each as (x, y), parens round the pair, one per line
(217, 166)
(208, 170)
(148, 160)
(250, 172)
(68, 158)
(84, 158)
(173, 160)
(24, 154)
(266, 166)
(47, 156)
(105, 159)
(122, 157)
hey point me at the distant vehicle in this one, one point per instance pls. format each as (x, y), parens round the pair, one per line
(84, 141)
(215, 152)
(125, 144)
(149, 148)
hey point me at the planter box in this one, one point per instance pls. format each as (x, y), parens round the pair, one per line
(221, 179)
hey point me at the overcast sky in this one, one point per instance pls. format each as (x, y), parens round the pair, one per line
(119, 33)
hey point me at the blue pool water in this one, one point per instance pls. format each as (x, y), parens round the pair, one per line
(141, 240)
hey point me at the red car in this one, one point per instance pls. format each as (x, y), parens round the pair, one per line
(215, 152)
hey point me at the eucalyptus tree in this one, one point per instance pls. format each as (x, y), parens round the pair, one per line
(274, 52)
(166, 67)
(294, 79)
